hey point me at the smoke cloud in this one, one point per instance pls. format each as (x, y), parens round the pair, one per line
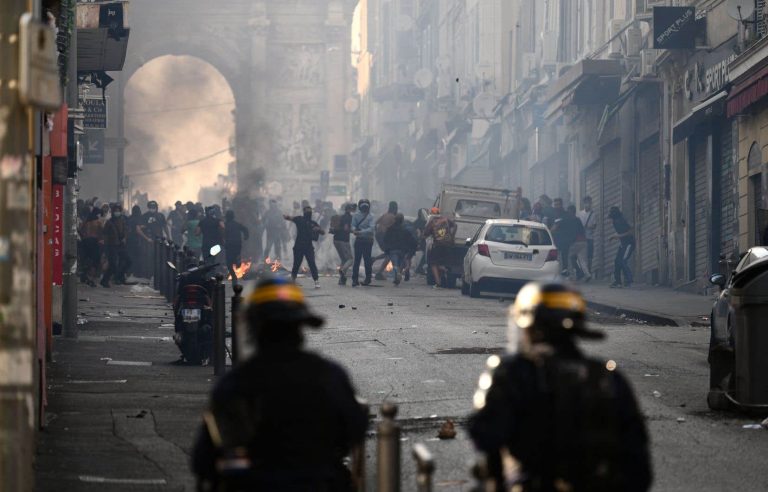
(178, 110)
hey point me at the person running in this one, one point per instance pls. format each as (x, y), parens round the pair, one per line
(363, 230)
(579, 262)
(341, 229)
(626, 239)
(442, 230)
(136, 242)
(116, 247)
(307, 231)
(234, 235)
(400, 243)
(382, 226)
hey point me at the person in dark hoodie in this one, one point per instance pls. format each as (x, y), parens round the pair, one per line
(234, 235)
(400, 243)
(116, 247)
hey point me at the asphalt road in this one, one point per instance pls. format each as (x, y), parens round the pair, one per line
(130, 427)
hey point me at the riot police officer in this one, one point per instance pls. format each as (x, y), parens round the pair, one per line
(550, 419)
(284, 419)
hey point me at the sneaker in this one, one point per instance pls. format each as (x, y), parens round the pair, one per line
(380, 276)
(398, 279)
(615, 285)
(436, 287)
(355, 283)
(317, 284)
(407, 275)
(343, 281)
(367, 281)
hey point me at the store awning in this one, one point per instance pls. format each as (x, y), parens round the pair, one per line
(714, 106)
(748, 92)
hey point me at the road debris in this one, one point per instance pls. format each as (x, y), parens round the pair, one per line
(656, 394)
(650, 375)
(752, 426)
(342, 306)
(680, 420)
(447, 430)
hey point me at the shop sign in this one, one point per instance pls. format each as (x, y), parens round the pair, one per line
(95, 113)
(57, 206)
(674, 28)
(703, 80)
(94, 147)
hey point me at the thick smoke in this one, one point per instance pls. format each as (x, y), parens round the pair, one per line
(178, 109)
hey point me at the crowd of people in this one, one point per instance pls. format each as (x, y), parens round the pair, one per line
(574, 236)
(114, 245)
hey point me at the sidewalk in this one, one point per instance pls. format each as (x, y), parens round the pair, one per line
(658, 305)
(122, 413)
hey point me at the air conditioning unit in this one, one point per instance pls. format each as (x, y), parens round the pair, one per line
(614, 27)
(634, 37)
(529, 69)
(648, 62)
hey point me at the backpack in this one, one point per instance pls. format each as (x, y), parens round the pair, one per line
(588, 445)
(442, 232)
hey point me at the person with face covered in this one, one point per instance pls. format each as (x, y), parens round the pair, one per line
(363, 230)
(116, 247)
(212, 230)
(307, 231)
(547, 417)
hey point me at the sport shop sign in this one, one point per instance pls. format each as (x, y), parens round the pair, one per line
(708, 75)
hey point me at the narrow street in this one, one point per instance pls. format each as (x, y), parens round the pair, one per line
(122, 415)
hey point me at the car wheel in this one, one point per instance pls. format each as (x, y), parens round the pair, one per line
(474, 290)
(464, 288)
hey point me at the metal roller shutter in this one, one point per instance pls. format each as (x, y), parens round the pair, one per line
(649, 218)
(701, 209)
(728, 225)
(592, 188)
(611, 198)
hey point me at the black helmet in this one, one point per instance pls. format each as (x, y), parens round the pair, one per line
(152, 204)
(363, 201)
(548, 313)
(276, 299)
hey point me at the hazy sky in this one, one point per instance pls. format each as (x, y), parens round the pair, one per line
(178, 109)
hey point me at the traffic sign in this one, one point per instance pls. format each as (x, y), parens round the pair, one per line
(94, 147)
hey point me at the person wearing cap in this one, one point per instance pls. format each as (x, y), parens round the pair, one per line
(547, 417)
(363, 229)
(285, 418)
(154, 224)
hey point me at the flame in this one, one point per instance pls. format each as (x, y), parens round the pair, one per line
(390, 267)
(274, 265)
(242, 270)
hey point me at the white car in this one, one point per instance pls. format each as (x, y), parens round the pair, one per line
(506, 254)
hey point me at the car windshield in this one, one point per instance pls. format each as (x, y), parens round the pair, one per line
(518, 234)
(477, 208)
(751, 257)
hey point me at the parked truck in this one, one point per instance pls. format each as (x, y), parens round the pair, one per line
(470, 207)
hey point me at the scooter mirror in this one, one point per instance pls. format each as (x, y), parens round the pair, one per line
(171, 266)
(215, 250)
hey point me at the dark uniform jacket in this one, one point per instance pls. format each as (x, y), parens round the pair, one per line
(297, 415)
(564, 418)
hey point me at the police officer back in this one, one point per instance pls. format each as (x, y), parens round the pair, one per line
(284, 419)
(550, 419)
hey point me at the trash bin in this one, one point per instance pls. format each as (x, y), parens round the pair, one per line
(749, 299)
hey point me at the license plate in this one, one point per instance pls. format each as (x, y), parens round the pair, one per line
(190, 314)
(517, 256)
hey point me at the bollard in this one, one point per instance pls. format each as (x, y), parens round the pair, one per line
(163, 267)
(357, 465)
(237, 301)
(425, 467)
(388, 447)
(179, 263)
(219, 327)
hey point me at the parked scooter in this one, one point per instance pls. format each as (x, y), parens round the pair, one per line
(193, 311)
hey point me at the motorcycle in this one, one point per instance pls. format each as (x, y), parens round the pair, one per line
(193, 311)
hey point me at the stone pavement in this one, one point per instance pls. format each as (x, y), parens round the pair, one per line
(658, 305)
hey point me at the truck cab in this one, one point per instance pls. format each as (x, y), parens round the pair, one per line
(470, 207)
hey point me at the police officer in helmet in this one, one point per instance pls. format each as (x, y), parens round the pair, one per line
(550, 419)
(283, 419)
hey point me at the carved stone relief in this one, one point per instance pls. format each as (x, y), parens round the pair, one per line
(299, 65)
(297, 137)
